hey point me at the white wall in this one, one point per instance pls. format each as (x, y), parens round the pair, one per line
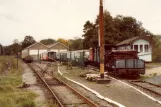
(34, 53)
(41, 51)
(62, 50)
(58, 50)
(55, 50)
(24, 53)
(147, 56)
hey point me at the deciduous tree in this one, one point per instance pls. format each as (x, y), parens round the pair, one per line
(28, 40)
(63, 41)
(116, 30)
(48, 41)
(76, 44)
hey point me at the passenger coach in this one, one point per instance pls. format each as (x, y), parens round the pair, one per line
(48, 56)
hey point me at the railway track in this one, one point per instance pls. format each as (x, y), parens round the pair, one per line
(152, 88)
(63, 94)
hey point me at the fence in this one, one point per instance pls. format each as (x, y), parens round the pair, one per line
(77, 58)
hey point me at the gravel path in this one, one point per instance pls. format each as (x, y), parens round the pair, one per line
(114, 90)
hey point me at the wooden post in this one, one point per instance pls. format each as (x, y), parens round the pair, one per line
(101, 29)
(17, 60)
(38, 57)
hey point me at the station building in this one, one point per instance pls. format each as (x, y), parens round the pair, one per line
(57, 47)
(34, 50)
(37, 48)
(142, 44)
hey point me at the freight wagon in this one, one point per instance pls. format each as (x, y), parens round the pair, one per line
(125, 62)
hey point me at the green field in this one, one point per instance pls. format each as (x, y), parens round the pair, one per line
(10, 78)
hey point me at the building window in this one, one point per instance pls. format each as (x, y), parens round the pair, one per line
(136, 47)
(141, 48)
(131, 47)
(146, 48)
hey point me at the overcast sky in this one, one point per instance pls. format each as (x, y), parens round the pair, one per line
(55, 19)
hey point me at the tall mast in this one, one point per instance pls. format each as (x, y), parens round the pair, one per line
(101, 36)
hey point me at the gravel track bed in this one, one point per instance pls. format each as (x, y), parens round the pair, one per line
(149, 93)
(83, 91)
(154, 88)
(89, 95)
(114, 90)
(67, 96)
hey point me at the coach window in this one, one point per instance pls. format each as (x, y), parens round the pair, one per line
(146, 48)
(141, 48)
(136, 47)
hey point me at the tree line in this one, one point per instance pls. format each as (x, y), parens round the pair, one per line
(116, 29)
(15, 47)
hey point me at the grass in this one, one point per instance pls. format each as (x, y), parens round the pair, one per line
(143, 77)
(152, 65)
(10, 77)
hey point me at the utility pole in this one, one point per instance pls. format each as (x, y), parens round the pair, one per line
(17, 59)
(101, 36)
(38, 56)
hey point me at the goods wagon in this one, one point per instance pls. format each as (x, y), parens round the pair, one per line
(28, 59)
(125, 62)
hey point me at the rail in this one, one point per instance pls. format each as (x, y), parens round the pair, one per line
(40, 77)
(147, 86)
(86, 100)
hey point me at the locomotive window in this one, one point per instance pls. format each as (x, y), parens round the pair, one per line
(146, 48)
(136, 47)
(141, 48)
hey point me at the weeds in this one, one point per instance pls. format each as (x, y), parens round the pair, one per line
(154, 74)
(10, 77)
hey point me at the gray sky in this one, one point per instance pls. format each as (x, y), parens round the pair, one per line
(55, 19)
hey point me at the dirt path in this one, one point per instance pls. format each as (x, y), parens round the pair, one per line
(153, 71)
(29, 78)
